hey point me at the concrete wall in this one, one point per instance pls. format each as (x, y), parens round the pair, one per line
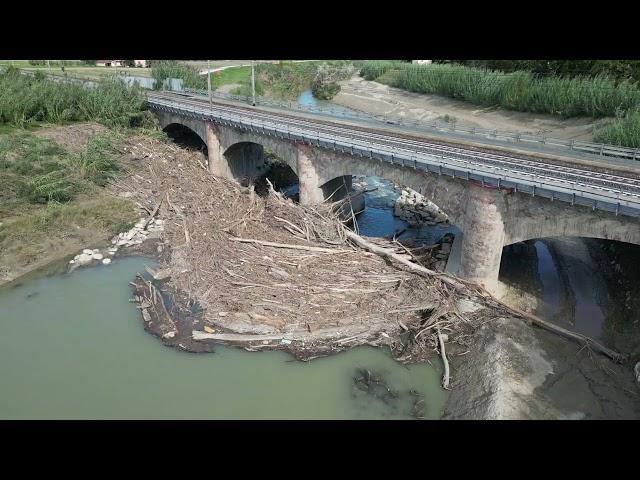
(490, 219)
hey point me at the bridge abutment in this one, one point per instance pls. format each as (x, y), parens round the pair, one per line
(483, 238)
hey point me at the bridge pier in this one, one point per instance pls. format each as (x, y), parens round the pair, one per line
(483, 238)
(310, 191)
(217, 165)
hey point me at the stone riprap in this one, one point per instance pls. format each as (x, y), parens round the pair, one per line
(415, 209)
(135, 236)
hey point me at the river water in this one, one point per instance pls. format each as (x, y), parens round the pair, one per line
(73, 347)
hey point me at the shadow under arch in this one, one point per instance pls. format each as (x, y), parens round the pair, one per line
(186, 137)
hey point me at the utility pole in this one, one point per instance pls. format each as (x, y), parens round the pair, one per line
(209, 83)
(253, 81)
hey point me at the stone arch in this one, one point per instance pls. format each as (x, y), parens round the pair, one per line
(167, 119)
(284, 150)
(444, 191)
(530, 218)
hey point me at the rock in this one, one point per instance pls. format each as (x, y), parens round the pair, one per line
(86, 251)
(122, 243)
(169, 334)
(636, 370)
(468, 306)
(106, 261)
(222, 314)
(84, 259)
(95, 250)
(72, 261)
(445, 248)
(209, 329)
(97, 256)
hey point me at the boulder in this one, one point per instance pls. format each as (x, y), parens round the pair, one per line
(84, 259)
(86, 251)
(106, 261)
(97, 256)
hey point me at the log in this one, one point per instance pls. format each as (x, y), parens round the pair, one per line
(445, 377)
(361, 242)
(414, 308)
(578, 337)
(286, 245)
(153, 214)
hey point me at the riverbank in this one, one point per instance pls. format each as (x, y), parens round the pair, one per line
(380, 99)
(75, 213)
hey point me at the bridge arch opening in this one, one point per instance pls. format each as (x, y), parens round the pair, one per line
(280, 175)
(186, 138)
(386, 210)
(581, 284)
(246, 161)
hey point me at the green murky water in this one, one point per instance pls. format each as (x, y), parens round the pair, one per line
(73, 347)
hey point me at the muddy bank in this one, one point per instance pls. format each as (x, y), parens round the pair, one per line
(531, 374)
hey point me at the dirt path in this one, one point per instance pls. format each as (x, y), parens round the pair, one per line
(379, 99)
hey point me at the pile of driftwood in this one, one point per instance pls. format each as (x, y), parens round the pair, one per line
(267, 266)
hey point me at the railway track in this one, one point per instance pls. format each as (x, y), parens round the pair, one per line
(612, 186)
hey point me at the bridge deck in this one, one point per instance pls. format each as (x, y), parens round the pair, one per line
(593, 182)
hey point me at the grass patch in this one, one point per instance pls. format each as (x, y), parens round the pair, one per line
(623, 131)
(27, 101)
(230, 75)
(52, 201)
(37, 170)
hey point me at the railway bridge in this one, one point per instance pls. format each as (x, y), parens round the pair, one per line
(496, 196)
